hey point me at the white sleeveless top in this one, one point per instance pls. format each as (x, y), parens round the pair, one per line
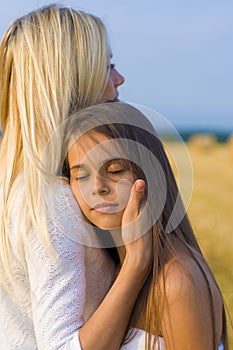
(138, 342)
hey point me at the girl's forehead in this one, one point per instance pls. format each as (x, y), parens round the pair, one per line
(93, 137)
(91, 140)
(96, 147)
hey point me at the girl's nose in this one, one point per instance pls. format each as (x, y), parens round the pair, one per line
(100, 185)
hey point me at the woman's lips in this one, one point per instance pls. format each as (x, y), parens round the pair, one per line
(115, 100)
(106, 208)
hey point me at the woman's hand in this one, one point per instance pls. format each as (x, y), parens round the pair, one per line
(137, 230)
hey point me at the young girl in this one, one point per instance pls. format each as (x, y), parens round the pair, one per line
(180, 306)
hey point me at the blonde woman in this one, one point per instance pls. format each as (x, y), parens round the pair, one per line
(180, 306)
(53, 62)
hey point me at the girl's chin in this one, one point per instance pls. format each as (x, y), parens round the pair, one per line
(108, 228)
(111, 229)
(107, 225)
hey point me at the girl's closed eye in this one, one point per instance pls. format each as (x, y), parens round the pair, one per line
(82, 177)
(116, 167)
(80, 174)
(83, 174)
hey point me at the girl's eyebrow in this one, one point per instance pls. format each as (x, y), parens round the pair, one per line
(108, 160)
(112, 160)
(77, 167)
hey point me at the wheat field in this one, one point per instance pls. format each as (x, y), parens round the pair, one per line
(211, 210)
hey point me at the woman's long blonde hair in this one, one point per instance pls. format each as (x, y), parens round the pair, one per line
(53, 61)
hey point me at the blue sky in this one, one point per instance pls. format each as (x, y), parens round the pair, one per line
(177, 56)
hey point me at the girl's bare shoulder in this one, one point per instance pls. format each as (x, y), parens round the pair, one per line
(191, 297)
(187, 277)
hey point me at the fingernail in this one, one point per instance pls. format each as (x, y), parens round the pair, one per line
(139, 186)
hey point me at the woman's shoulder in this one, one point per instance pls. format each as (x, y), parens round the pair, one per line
(61, 202)
(66, 216)
(58, 193)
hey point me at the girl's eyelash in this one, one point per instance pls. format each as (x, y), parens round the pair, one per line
(81, 178)
(115, 171)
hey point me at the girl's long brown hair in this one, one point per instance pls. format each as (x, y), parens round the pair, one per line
(122, 121)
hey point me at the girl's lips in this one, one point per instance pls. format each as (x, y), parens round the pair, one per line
(106, 208)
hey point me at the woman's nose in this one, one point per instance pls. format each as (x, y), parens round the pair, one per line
(119, 79)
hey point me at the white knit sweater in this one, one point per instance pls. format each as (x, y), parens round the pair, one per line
(57, 296)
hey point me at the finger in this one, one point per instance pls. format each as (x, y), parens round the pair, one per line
(133, 207)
